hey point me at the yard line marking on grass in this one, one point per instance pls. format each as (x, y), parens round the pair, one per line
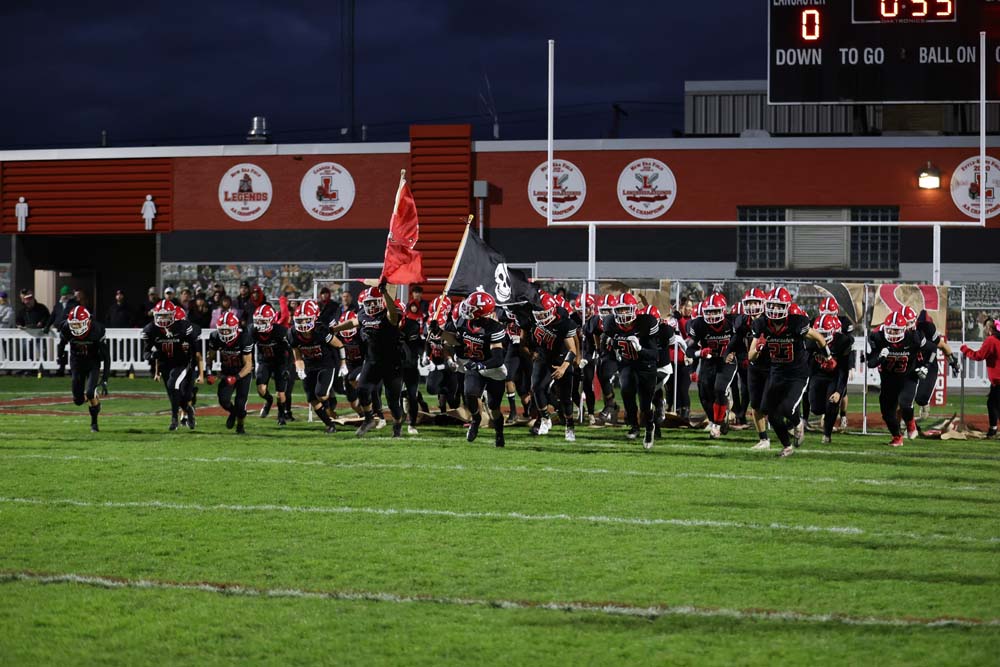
(614, 609)
(900, 483)
(516, 516)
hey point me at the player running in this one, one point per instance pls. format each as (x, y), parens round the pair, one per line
(89, 359)
(273, 354)
(708, 337)
(828, 374)
(171, 346)
(553, 339)
(315, 350)
(234, 347)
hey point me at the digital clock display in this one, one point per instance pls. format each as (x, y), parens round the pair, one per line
(903, 11)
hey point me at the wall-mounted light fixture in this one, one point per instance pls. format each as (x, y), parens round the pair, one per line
(929, 177)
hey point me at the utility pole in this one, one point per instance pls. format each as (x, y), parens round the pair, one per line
(347, 64)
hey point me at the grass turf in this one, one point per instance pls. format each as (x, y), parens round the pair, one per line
(854, 528)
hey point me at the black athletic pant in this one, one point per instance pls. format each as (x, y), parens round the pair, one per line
(781, 404)
(241, 389)
(541, 378)
(756, 385)
(607, 366)
(587, 382)
(444, 384)
(318, 383)
(993, 403)
(681, 377)
(179, 382)
(926, 386)
(820, 388)
(411, 381)
(741, 391)
(637, 381)
(713, 380)
(84, 382)
(375, 375)
(897, 390)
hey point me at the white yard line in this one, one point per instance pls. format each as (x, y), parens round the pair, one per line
(612, 609)
(543, 470)
(395, 512)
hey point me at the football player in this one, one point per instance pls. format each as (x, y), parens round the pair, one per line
(925, 326)
(828, 374)
(171, 346)
(441, 380)
(829, 306)
(518, 380)
(234, 347)
(553, 338)
(315, 350)
(379, 324)
(902, 356)
(607, 362)
(678, 389)
(410, 324)
(632, 337)
(354, 354)
(586, 314)
(757, 371)
(708, 337)
(479, 343)
(89, 359)
(783, 334)
(273, 354)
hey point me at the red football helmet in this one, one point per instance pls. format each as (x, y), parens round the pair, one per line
(371, 300)
(753, 302)
(603, 309)
(561, 301)
(713, 309)
(228, 326)
(476, 305)
(828, 325)
(263, 318)
(180, 314)
(79, 321)
(455, 317)
(829, 306)
(548, 310)
(796, 309)
(778, 303)
(736, 308)
(591, 304)
(346, 316)
(911, 317)
(651, 310)
(610, 301)
(894, 327)
(625, 311)
(164, 313)
(305, 316)
(696, 310)
(440, 307)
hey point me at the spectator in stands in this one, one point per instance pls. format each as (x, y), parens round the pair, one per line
(200, 313)
(346, 300)
(242, 302)
(168, 295)
(65, 304)
(34, 316)
(6, 313)
(120, 315)
(224, 306)
(81, 298)
(185, 300)
(417, 296)
(218, 289)
(152, 296)
(328, 309)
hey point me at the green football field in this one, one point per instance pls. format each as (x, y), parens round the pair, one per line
(139, 546)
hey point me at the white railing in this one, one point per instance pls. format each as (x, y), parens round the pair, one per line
(22, 350)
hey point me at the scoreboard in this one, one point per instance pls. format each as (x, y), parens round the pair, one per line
(881, 51)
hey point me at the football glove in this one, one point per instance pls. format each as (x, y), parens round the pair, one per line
(634, 342)
(104, 387)
(694, 377)
(921, 372)
(301, 372)
(828, 364)
(474, 366)
(231, 380)
(955, 362)
(705, 353)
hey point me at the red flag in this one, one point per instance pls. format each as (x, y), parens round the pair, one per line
(403, 265)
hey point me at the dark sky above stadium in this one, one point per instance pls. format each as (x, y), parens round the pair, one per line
(195, 72)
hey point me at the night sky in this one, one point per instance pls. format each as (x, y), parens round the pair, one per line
(195, 72)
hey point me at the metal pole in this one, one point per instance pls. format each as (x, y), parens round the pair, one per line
(677, 361)
(482, 214)
(965, 362)
(864, 366)
(982, 128)
(936, 257)
(551, 132)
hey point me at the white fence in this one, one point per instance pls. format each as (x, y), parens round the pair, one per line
(22, 350)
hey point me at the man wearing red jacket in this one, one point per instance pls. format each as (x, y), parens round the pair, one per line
(990, 353)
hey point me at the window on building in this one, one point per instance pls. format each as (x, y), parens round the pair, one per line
(875, 248)
(761, 247)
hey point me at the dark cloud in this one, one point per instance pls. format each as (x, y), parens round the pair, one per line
(160, 72)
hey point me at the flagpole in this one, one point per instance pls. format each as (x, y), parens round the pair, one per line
(458, 255)
(399, 190)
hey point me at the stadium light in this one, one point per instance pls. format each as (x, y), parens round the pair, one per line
(929, 177)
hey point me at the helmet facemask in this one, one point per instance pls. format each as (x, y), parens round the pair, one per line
(753, 306)
(894, 334)
(713, 314)
(776, 310)
(227, 333)
(304, 323)
(625, 313)
(373, 306)
(79, 327)
(543, 317)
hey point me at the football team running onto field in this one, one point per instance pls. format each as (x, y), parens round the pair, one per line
(760, 361)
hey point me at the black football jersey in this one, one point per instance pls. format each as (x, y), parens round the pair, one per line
(354, 348)
(841, 349)
(927, 328)
(435, 346)
(592, 330)
(231, 354)
(743, 340)
(174, 346)
(549, 339)
(714, 337)
(785, 344)
(87, 350)
(314, 347)
(646, 328)
(476, 337)
(381, 337)
(273, 349)
(903, 357)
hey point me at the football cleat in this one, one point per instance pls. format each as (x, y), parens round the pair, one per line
(714, 431)
(800, 433)
(499, 442)
(843, 423)
(911, 430)
(473, 431)
(633, 433)
(332, 428)
(380, 422)
(410, 430)
(647, 442)
(266, 409)
(240, 430)
(826, 440)
(511, 419)
(786, 452)
(366, 426)
(762, 445)
(570, 435)
(231, 420)
(397, 428)
(173, 424)
(897, 441)
(189, 414)
(93, 428)
(281, 418)
(545, 426)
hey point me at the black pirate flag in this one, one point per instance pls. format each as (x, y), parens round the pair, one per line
(479, 267)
